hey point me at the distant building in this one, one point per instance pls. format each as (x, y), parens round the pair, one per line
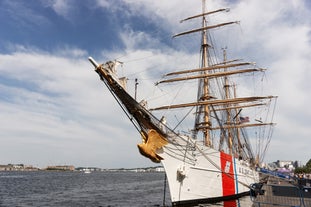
(159, 169)
(283, 163)
(287, 164)
(61, 167)
(6, 167)
(17, 167)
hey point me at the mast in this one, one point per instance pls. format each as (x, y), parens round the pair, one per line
(238, 131)
(203, 111)
(227, 96)
(217, 114)
(205, 63)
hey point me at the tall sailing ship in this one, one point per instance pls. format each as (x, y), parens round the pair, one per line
(214, 159)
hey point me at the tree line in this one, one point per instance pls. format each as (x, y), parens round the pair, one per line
(304, 169)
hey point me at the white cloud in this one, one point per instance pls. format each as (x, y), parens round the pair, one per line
(103, 3)
(63, 112)
(61, 7)
(54, 104)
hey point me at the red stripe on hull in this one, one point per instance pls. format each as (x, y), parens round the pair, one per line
(230, 203)
(228, 184)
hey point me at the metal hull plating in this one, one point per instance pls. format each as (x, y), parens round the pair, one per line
(204, 174)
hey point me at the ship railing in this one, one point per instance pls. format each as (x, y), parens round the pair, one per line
(274, 173)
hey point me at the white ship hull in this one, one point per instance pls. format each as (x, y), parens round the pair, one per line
(202, 178)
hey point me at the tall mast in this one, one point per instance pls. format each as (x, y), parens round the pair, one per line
(238, 129)
(205, 63)
(206, 103)
(227, 96)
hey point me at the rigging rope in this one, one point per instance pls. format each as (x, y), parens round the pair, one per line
(183, 118)
(122, 107)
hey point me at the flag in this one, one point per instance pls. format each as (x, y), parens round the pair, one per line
(244, 119)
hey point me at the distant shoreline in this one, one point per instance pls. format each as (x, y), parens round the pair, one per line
(71, 168)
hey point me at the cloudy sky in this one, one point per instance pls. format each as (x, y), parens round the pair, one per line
(55, 111)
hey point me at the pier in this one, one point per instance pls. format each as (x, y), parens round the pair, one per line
(278, 191)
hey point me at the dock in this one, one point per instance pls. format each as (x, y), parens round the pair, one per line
(277, 191)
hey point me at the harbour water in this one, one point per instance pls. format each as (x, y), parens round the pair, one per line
(96, 189)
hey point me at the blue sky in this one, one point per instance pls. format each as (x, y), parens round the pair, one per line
(87, 25)
(44, 25)
(54, 110)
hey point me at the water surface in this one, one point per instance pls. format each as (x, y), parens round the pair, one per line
(96, 189)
